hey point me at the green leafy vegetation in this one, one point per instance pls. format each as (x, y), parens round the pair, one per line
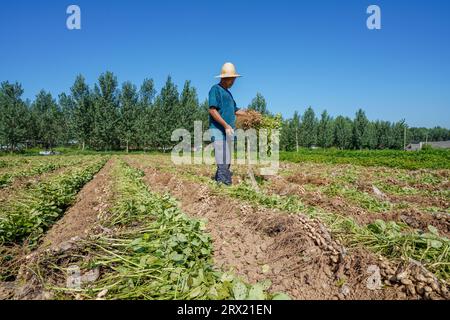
(431, 159)
(30, 213)
(36, 167)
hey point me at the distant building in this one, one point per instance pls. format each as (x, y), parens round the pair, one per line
(49, 153)
(435, 144)
(72, 142)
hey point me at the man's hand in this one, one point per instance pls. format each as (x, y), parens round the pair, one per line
(229, 130)
(216, 116)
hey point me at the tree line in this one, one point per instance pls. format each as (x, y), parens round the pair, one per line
(110, 116)
(105, 117)
(307, 130)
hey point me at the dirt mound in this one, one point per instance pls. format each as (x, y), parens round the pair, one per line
(303, 179)
(421, 221)
(296, 253)
(6, 290)
(421, 200)
(281, 187)
(80, 221)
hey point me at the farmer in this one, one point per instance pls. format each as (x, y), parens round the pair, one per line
(222, 118)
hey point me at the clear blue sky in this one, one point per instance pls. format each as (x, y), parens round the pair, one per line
(296, 53)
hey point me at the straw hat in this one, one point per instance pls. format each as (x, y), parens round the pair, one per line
(228, 71)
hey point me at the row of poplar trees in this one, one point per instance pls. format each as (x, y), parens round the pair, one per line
(113, 117)
(107, 117)
(306, 130)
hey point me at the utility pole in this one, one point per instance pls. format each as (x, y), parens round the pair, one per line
(404, 139)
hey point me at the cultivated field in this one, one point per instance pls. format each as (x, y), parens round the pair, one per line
(139, 227)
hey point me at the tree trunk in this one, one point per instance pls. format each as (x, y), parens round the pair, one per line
(127, 146)
(13, 146)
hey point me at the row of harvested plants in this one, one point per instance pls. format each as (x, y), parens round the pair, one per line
(146, 249)
(424, 253)
(143, 246)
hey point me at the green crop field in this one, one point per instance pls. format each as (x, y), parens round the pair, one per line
(136, 226)
(424, 159)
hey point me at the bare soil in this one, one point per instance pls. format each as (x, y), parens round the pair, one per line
(82, 218)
